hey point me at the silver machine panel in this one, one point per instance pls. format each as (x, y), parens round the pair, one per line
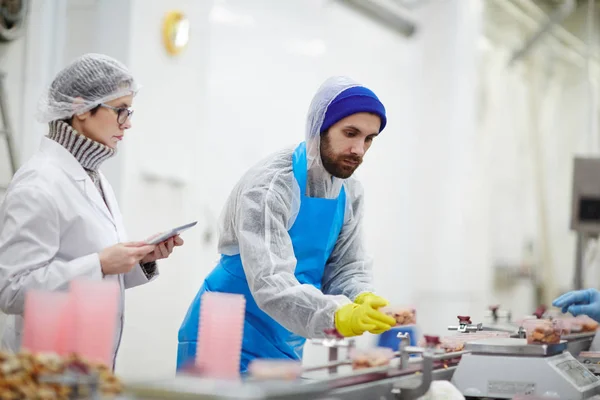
(585, 200)
(503, 369)
(585, 209)
(514, 347)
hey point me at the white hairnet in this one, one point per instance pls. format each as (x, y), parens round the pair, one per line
(82, 85)
(261, 210)
(319, 181)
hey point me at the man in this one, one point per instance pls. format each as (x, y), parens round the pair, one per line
(290, 236)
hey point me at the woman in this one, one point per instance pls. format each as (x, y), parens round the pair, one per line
(60, 220)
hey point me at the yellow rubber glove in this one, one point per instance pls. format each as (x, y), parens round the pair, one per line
(371, 298)
(368, 297)
(355, 319)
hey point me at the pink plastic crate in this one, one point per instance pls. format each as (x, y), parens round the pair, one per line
(66, 329)
(94, 306)
(43, 316)
(220, 335)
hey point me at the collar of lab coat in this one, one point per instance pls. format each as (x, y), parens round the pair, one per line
(65, 160)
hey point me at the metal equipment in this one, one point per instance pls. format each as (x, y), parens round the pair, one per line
(579, 342)
(501, 321)
(576, 341)
(504, 367)
(591, 360)
(406, 379)
(556, 18)
(465, 325)
(81, 385)
(392, 17)
(585, 209)
(190, 387)
(334, 343)
(497, 368)
(497, 315)
(13, 15)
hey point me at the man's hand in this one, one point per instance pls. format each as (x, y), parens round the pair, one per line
(354, 319)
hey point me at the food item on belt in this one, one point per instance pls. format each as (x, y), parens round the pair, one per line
(449, 344)
(544, 331)
(570, 325)
(587, 324)
(452, 346)
(402, 315)
(369, 362)
(456, 343)
(543, 334)
(579, 324)
(370, 358)
(22, 376)
(275, 369)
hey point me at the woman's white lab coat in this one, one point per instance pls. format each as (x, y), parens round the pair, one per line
(53, 224)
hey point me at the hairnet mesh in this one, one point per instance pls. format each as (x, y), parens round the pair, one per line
(82, 85)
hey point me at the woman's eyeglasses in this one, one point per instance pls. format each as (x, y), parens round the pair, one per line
(123, 114)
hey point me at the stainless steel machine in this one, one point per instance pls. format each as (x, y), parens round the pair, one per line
(577, 342)
(499, 319)
(585, 209)
(501, 368)
(504, 367)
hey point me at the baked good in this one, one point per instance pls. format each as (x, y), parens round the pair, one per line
(23, 375)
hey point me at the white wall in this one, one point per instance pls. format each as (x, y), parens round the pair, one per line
(94, 26)
(164, 180)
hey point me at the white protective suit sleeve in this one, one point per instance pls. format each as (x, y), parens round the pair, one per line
(349, 269)
(269, 263)
(29, 241)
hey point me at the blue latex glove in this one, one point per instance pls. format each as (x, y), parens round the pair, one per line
(579, 302)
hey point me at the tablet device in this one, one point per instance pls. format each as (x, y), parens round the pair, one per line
(170, 233)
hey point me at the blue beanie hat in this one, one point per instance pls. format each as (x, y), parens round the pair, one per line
(351, 101)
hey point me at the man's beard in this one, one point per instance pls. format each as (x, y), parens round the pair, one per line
(334, 164)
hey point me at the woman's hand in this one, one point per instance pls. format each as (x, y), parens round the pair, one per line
(163, 250)
(122, 257)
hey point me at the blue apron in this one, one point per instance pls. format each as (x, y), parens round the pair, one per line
(313, 236)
